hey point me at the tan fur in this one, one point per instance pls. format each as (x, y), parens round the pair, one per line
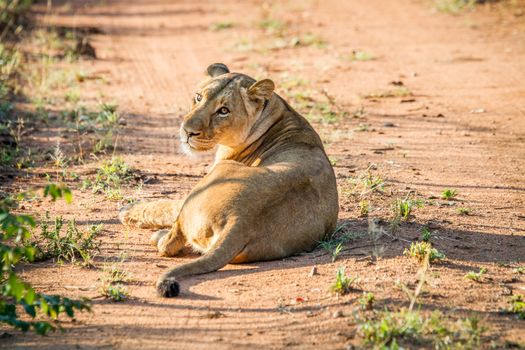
(270, 194)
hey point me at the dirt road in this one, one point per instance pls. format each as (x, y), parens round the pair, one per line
(430, 100)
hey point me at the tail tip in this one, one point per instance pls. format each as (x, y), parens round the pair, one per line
(168, 288)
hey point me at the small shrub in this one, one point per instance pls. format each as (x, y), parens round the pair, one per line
(115, 292)
(68, 246)
(17, 295)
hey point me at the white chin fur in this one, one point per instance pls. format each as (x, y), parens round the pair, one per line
(193, 153)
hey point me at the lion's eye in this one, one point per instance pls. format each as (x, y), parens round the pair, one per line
(223, 111)
(198, 97)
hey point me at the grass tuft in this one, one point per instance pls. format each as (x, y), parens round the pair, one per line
(358, 55)
(476, 276)
(111, 175)
(418, 251)
(343, 283)
(449, 194)
(221, 26)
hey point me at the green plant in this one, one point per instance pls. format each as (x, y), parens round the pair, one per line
(115, 274)
(10, 13)
(361, 127)
(476, 276)
(367, 301)
(388, 328)
(454, 6)
(60, 162)
(418, 251)
(426, 234)
(449, 194)
(115, 292)
(68, 246)
(9, 70)
(98, 129)
(111, 175)
(364, 207)
(365, 183)
(72, 96)
(463, 211)
(343, 283)
(403, 207)
(308, 39)
(221, 25)
(397, 92)
(404, 328)
(358, 55)
(334, 243)
(272, 26)
(58, 191)
(336, 251)
(517, 306)
(519, 270)
(16, 295)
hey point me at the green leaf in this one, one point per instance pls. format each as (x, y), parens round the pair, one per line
(15, 287)
(30, 309)
(30, 296)
(42, 328)
(68, 196)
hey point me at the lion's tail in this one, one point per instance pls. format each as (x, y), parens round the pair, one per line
(156, 214)
(221, 253)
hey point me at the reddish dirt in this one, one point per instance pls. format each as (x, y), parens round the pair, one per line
(152, 54)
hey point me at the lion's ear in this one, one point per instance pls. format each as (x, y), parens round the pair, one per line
(262, 89)
(217, 69)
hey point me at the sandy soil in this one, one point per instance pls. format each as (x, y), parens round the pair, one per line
(463, 127)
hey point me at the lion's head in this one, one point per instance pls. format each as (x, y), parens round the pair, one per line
(224, 109)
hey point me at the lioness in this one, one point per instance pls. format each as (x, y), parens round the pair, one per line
(271, 192)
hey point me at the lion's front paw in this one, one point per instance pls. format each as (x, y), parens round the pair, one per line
(170, 244)
(167, 288)
(156, 236)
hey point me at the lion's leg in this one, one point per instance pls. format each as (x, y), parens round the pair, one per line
(170, 243)
(156, 214)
